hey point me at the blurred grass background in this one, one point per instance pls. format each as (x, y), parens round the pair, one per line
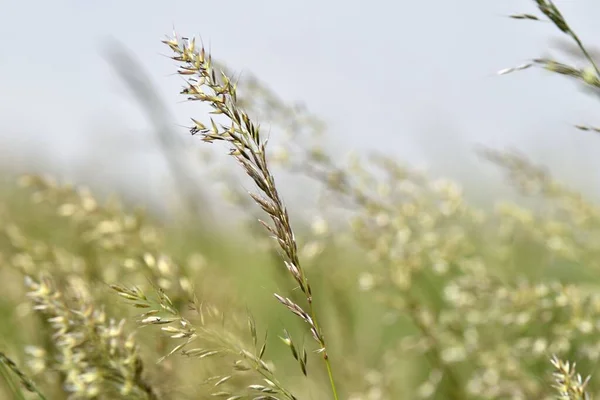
(525, 242)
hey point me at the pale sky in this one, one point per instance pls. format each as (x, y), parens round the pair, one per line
(413, 78)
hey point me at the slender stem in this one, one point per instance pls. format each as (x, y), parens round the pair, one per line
(325, 355)
(7, 366)
(331, 381)
(585, 52)
(12, 386)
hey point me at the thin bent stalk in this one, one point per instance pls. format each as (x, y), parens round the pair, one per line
(248, 148)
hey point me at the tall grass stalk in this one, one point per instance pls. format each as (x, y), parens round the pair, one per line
(218, 90)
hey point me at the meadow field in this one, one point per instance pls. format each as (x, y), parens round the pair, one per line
(399, 287)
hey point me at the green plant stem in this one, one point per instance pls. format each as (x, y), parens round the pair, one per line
(12, 386)
(7, 366)
(331, 381)
(585, 52)
(325, 355)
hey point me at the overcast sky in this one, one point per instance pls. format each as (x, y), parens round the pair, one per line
(414, 78)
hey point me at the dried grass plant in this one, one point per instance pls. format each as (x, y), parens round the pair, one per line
(249, 149)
